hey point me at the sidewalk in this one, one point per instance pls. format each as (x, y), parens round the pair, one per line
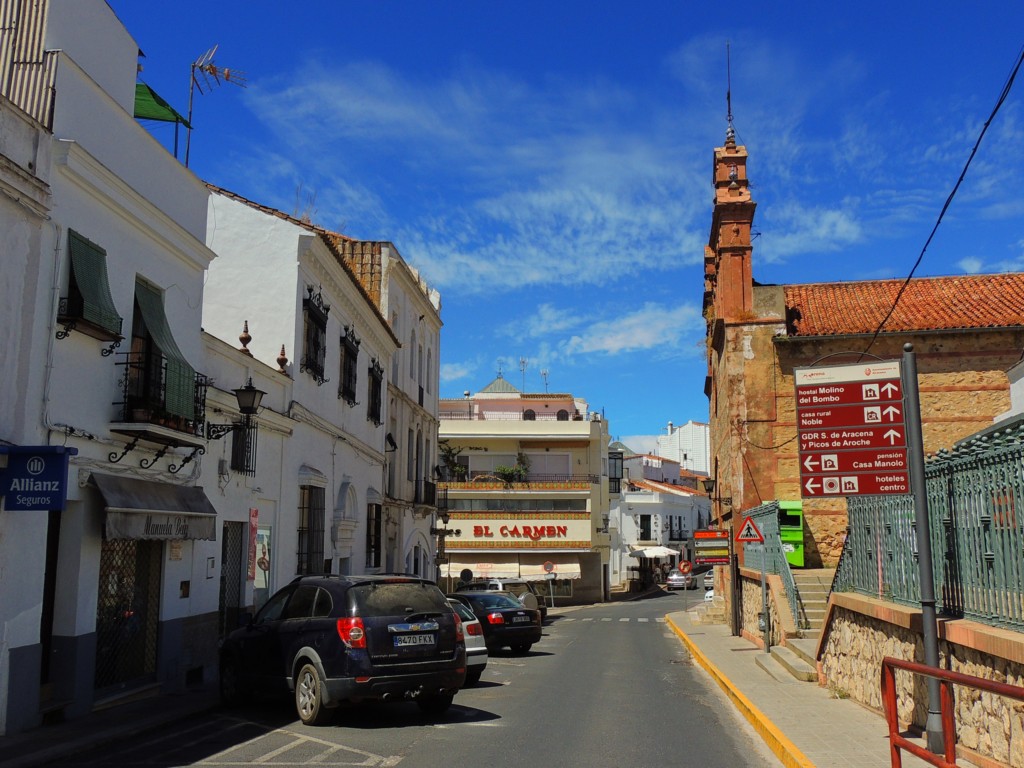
(801, 722)
(51, 743)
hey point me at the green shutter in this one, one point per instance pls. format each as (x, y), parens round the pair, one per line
(89, 270)
(180, 384)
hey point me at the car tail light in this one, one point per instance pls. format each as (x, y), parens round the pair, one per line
(474, 629)
(495, 618)
(352, 632)
(460, 636)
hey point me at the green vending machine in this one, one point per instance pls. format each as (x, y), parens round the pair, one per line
(791, 531)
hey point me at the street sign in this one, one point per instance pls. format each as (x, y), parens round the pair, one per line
(851, 432)
(749, 532)
(549, 566)
(711, 547)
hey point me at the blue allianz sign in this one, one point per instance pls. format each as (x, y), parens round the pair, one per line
(36, 477)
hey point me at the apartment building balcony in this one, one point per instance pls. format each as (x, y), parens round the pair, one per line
(486, 481)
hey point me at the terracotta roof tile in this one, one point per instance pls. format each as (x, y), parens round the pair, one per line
(928, 304)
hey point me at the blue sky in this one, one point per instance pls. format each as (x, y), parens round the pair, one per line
(547, 165)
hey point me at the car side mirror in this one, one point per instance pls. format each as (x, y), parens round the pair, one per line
(245, 620)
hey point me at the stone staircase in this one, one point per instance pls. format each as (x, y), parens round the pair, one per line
(796, 659)
(813, 584)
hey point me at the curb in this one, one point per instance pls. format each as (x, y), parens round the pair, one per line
(782, 747)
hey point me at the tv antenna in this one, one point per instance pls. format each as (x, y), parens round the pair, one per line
(544, 375)
(522, 369)
(211, 75)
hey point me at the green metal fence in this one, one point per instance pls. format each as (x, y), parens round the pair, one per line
(976, 533)
(766, 518)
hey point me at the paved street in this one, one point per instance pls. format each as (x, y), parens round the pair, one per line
(608, 685)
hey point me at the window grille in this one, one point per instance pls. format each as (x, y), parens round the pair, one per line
(314, 352)
(310, 545)
(373, 535)
(349, 356)
(375, 386)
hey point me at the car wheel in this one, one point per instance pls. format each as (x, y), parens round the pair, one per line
(473, 676)
(309, 697)
(521, 647)
(435, 704)
(230, 682)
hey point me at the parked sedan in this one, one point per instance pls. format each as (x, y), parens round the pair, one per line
(505, 620)
(678, 580)
(476, 646)
(709, 579)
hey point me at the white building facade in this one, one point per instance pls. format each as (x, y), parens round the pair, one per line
(107, 588)
(688, 444)
(529, 488)
(287, 283)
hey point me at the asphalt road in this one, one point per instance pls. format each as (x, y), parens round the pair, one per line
(608, 685)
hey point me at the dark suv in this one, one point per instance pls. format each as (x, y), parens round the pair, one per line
(330, 639)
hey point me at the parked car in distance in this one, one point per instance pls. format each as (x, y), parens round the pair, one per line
(505, 620)
(709, 596)
(709, 579)
(679, 580)
(524, 590)
(476, 645)
(329, 639)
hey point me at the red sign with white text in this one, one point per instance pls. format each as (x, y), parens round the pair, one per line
(851, 433)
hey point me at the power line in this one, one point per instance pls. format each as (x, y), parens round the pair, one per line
(999, 103)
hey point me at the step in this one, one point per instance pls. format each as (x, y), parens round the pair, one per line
(779, 673)
(804, 648)
(797, 667)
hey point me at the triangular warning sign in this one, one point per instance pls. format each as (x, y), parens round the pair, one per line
(749, 532)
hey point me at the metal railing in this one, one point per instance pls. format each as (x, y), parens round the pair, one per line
(976, 534)
(773, 557)
(530, 478)
(144, 395)
(947, 679)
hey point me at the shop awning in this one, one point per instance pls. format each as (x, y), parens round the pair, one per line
(484, 565)
(564, 566)
(142, 509)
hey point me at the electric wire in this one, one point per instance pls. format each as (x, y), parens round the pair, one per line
(999, 103)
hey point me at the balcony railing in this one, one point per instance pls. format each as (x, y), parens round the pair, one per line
(426, 493)
(532, 481)
(465, 415)
(144, 397)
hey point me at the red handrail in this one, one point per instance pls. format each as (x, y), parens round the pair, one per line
(947, 679)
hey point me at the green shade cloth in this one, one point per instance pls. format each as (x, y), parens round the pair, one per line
(89, 269)
(180, 383)
(149, 106)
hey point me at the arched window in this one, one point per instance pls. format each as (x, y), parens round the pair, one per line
(562, 415)
(529, 415)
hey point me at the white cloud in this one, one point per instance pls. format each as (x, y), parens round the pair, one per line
(456, 371)
(641, 443)
(650, 327)
(971, 265)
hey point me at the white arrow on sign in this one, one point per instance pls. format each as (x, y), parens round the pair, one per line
(890, 388)
(892, 412)
(811, 486)
(810, 464)
(893, 436)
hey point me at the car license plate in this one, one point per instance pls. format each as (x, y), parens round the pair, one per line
(414, 639)
(517, 619)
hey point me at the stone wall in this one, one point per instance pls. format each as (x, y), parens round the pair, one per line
(857, 638)
(751, 609)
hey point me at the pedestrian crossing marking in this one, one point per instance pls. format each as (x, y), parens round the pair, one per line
(643, 621)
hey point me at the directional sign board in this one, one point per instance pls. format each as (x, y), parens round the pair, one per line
(711, 547)
(851, 430)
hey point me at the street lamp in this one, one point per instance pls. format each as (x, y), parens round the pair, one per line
(249, 399)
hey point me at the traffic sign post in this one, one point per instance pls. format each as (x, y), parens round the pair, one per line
(851, 428)
(751, 534)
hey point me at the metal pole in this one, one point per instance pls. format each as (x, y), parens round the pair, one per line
(764, 599)
(929, 626)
